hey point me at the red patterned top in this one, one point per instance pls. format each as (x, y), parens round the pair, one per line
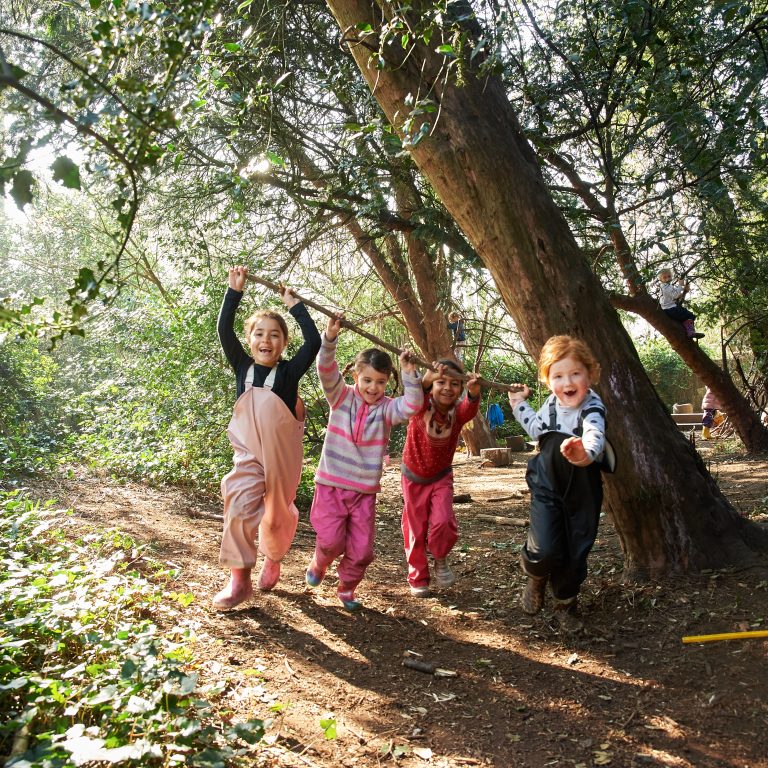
(432, 439)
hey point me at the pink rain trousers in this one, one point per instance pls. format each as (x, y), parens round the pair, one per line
(260, 490)
(345, 524)
(428, 523)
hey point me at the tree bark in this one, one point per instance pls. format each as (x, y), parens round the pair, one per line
(745, 419)
(668, 511)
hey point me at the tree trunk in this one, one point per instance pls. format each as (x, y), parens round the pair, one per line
(745, 421)
(666, 508)
(477, 435)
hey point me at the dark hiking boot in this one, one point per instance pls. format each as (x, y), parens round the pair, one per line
(532, 599)
(567, 616)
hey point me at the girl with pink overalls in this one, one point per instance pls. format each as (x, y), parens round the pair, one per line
(266, 433)
(344, 507)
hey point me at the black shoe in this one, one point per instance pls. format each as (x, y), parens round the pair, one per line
(697, 336)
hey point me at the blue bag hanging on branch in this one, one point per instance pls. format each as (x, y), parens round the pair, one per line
(495, 416)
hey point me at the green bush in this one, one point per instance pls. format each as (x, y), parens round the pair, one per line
(34, 413)
(85, 675)
(673, 380)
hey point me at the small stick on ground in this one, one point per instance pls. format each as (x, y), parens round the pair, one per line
(499, 520)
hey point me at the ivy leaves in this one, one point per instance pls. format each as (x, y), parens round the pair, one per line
(76, 647)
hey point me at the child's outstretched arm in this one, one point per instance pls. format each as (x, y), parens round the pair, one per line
(523, 412)
(473, 385)
(582, 451)
(225, 325)
(403, 408)
(327, 367)
(573, 449)
(467, 407)
(521, 395)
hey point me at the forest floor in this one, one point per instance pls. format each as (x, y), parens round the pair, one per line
(626, 692)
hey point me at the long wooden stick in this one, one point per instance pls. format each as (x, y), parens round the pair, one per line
(380, 342)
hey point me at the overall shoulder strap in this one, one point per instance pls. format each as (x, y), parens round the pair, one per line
(552, 413)
(269, 382)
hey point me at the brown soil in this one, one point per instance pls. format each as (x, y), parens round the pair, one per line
(626, 692)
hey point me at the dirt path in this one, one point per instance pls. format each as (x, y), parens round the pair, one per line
(626, 693)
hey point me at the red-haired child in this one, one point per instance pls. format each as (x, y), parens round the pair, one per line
(564, 476)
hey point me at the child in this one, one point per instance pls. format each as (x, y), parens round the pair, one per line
(711, 416)
(347, 479)
(427, 479)
(670, 298)
(456, 327)
(266, 433)
(564, 477)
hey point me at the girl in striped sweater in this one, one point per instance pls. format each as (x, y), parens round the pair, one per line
(347, 480)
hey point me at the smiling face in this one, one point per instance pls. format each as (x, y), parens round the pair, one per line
(446, 390)
(371, 383)
(569, 379)
(267, 341)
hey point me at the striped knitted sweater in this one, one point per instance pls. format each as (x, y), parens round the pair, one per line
(358, 434)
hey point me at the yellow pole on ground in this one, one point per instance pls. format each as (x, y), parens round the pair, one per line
(725, 636)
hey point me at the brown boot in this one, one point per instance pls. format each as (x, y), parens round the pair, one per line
(532, 599)
(567, 615)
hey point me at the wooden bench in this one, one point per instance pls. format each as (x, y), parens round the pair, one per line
(687, 421)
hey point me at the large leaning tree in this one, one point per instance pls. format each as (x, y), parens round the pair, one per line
(668, 511)
(319, 175)
(645, 116)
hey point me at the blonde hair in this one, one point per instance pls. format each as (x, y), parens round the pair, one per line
(558, 347)
(269, 314)
(664, 271)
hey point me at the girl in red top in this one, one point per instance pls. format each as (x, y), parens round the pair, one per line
(427, 477)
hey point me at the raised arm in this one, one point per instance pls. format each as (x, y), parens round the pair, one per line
(403, 408)
(225, 325)
(524, 413)
(307, 352)
(327, 367)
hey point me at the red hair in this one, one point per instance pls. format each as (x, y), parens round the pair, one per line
(558, 347)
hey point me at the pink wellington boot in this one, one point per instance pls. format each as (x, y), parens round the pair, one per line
(238, 590)
(269, 575)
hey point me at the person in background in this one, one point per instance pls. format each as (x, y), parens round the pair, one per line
(711, 415)
(456, 327)
(671, 296)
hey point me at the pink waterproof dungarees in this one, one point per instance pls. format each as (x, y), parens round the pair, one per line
(260, 490)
